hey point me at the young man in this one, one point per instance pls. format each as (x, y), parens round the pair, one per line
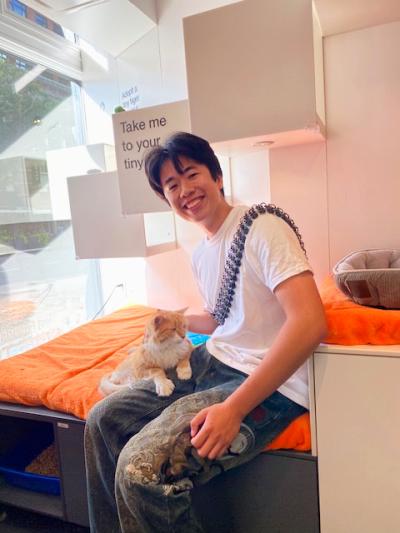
(249, 381)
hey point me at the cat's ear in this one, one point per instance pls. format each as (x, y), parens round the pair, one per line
(182, 311)
(158, 320)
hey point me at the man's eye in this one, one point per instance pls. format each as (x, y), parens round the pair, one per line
(172, 187)
(193, 175)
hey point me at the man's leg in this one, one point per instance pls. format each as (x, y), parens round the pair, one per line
(149, 496)
(111, 423)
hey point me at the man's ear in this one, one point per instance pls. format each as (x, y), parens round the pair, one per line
(220, 182)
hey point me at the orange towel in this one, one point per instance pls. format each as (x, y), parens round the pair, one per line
(297, 436)
(64, 374)
(350, 323)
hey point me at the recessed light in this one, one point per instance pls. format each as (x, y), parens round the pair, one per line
(263, 143)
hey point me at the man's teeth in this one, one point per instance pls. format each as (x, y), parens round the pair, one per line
(193, 203)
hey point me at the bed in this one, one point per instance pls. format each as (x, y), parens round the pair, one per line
(50, 389)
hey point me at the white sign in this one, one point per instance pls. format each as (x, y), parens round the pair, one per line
(136, 132)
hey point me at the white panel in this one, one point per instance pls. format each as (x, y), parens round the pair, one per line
(73, 161)
(318, 67)
(171, 47)
(250, 69)
(135, 132)
(159, 228)
(362, 71)
(98, 226)
(358, 435)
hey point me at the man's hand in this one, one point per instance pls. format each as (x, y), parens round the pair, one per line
(213, 429)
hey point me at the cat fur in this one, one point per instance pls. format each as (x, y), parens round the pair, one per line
(164, 346)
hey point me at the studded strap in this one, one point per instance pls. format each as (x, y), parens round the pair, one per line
(233, 261)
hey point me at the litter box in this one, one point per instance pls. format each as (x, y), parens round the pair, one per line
(14, 461)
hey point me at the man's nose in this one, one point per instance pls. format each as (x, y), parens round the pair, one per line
(186, 188)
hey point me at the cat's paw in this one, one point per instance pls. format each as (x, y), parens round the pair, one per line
(184, 372)
(165, 388)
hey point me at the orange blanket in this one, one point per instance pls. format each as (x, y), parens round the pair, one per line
(64, 373)
(350, 323)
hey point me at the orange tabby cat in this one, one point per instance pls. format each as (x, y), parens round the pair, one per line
(164, 346)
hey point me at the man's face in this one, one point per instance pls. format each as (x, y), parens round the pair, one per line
(193, 195)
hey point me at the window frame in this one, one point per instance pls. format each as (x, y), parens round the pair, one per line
(24, 38)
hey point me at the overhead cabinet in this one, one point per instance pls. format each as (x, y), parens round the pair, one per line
(254, 72)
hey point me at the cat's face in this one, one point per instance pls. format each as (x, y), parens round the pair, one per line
(165, 325)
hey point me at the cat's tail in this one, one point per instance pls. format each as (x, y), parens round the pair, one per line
(107, 387)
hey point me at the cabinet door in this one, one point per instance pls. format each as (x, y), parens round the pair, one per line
(358, 441)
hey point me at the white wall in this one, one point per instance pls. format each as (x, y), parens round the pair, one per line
(170, 283)
(250, 178)
(299, 186)
(348, 198)
(362, 80)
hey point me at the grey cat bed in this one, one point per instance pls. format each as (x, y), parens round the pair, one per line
(370, 277)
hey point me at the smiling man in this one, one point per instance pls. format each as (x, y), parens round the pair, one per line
(264, 316)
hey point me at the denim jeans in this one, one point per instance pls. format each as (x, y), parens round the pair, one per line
(139, 464)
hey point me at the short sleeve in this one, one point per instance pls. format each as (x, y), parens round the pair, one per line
(274, 251)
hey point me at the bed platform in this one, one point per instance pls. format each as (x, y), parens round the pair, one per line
(277, 491)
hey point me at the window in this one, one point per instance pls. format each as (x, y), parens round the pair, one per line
(30, 14)
(17, 7)
(41, 20)
(44, 291)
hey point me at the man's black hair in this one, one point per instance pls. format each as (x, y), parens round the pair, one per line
(178, 145)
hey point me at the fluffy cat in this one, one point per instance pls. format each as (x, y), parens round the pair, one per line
(164, 346)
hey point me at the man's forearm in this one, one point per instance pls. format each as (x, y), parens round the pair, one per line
(201, 323)
(290, 350)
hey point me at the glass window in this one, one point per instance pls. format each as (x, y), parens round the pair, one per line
(44, 291)
(41, 20)
(20, 9)
(17, 7)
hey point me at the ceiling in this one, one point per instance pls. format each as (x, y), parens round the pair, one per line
(339, 16)
(113, 25)
(109, 25)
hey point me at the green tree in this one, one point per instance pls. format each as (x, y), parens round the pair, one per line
(19, 110)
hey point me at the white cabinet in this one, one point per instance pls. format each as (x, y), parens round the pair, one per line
(357, 402)
(254, 72)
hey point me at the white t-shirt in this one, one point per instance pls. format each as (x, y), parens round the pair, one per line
(272, 254)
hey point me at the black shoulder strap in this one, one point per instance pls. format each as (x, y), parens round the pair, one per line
(235, 254)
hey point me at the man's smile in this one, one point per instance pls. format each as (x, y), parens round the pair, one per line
(193, 203)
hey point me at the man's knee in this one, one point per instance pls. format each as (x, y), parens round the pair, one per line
(105, 417)
(137, 466)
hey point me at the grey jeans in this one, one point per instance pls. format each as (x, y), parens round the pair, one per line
(139, 463)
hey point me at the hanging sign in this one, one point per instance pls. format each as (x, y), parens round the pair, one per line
(136, 132)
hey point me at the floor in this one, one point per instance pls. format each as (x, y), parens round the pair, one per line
(13, 520)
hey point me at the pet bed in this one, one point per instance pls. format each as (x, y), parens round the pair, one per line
(371, 277)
